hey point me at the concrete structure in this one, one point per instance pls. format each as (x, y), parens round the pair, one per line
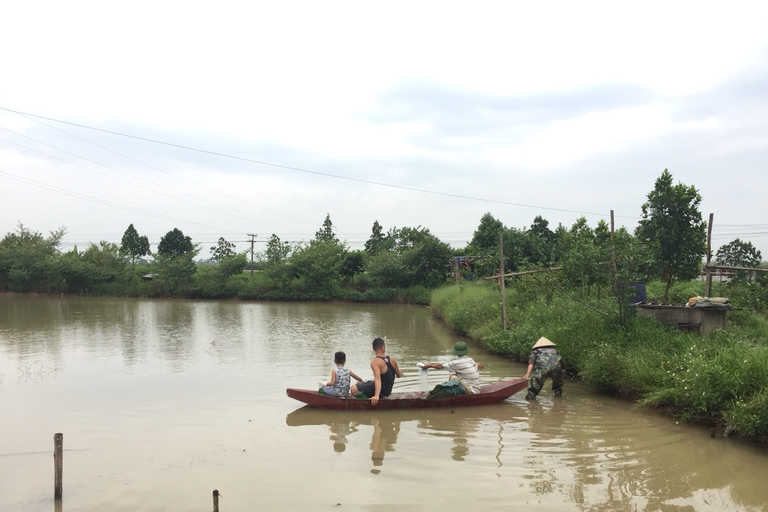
(703, 319)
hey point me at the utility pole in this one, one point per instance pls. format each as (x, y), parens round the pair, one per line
(253, 240)
(503, 289)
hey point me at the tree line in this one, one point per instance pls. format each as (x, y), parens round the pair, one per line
(669, 242)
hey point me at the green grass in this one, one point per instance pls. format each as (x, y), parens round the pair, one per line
(722, 378)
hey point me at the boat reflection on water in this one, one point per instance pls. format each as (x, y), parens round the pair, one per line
(460, 425)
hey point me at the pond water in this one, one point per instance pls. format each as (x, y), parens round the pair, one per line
(162, 401)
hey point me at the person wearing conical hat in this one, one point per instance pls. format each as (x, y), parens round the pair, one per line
(544, 363)
(463, 368)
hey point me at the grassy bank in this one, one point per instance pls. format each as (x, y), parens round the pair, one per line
(721, 379)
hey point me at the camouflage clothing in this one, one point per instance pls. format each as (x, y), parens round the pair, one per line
(547, 363)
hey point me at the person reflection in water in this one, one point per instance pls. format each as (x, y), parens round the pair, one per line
(383, 441)
(385, 369)
(340, 431)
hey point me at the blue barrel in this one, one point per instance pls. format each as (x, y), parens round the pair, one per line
(639, 295)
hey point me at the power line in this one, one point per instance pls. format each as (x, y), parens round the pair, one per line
(298, 169)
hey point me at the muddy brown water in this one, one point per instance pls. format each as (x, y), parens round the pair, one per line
(163, 401)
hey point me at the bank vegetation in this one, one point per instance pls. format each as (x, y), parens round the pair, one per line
(582, 294)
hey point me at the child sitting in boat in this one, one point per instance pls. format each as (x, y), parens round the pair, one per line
(339, 383)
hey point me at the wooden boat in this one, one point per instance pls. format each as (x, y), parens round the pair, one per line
(489, 394)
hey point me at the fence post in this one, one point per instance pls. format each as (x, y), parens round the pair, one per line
(215, 500)
(58, 464)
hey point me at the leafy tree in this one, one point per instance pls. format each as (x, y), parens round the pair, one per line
(319, 264)
(222, 250)
(174, 261)
(540, 244)
(378, 240)
(108, 263)
(354, 261)
(581, 260)
(28, 260)
(418, 258)
(673, 231)
(739, 254)
(485, 239)
(134, 245)
(630, 256)
(174, 271)
(174, 243)
(326, 234)
(99, 263)
(278, 266)
(231, 265)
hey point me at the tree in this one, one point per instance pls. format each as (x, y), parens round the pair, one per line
(28, 260)
(278, 266)
(222, 250)
(231, 265)
(581, 257)
(134, 245)
(541, 243)
(99, 263)
(629, 255)
(174, 243)
(174, 261)
(319, 264)
(378, 240)
(326, 234)
(417, 258)
(673, 231)
(486, 236)
(739, 254)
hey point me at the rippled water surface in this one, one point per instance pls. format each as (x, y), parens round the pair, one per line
(163, 401)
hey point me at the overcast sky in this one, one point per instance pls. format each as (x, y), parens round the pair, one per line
(233, 118)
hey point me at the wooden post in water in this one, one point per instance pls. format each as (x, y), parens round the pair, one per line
(58, 464)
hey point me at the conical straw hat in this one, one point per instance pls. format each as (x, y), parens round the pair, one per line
(543, 342)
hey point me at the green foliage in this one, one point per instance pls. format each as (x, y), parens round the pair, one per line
(354, 261)
(583, 259)
(718, 378)
(278, 266)
(472, 309)
(326, 234)
(99, 264)
(134, 245)
(222, 250)
(174, 243)
(378, 240)
(319, 265)
(417, 258)
(485, 239)
(230, 265)
(673, 231)
(739, 254)
(679, 295)
(28, 261)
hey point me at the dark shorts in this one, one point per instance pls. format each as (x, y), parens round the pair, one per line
(368, 387)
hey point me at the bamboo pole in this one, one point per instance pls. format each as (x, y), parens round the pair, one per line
(58, 464)
(524, 272)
